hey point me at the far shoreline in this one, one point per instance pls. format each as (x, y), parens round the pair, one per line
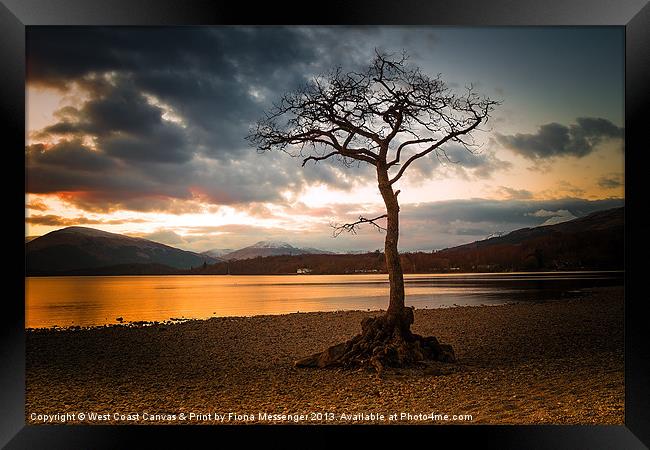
(63, 275)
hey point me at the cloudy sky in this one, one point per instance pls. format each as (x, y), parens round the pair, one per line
(142, 131)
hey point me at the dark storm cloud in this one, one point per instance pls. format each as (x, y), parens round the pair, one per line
(610, 182)
(67, 155)
(58, 56)
(553, 139)
(166, 145)
(520, 212)
(216, 82)
(205, 74)
(119, 109)
(159, 187)
(168, 110)
(125, 125)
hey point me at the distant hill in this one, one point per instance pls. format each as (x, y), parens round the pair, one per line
(608, 220)
(86, 249)
(593, 242)
(271, 248)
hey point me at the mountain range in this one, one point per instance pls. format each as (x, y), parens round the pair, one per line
(267, 248)
(591, 242)
(79, 249)
(595, 241)
(82, 250)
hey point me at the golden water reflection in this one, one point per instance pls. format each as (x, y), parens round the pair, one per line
(86, 301)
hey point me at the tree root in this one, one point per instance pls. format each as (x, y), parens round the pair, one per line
(385, 341)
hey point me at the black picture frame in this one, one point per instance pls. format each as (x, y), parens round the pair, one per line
(15, 15)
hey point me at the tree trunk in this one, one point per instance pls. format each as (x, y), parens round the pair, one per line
(385, 340)
(393, 263)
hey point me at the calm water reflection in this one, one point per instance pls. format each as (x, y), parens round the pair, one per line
(85, 301)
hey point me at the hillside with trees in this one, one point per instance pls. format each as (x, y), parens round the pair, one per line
(593, 242)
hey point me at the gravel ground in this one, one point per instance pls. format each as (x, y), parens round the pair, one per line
(559, 362)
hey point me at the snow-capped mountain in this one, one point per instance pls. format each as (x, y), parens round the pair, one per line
(271, 248)
(271, 244)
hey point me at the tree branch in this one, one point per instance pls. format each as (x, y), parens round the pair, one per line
(398, 154)
(318, 158)
(357, 115)
(353, 227)
(432, 148)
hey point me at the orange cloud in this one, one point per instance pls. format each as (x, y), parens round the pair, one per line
(53, 220)
(37, 204)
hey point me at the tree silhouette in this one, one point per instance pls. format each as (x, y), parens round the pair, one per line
(389, 116)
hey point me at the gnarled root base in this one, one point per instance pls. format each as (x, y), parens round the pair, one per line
(385, 341)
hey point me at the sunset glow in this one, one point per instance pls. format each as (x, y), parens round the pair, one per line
(154, 147)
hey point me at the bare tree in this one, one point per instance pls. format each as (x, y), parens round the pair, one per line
(389, 116)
